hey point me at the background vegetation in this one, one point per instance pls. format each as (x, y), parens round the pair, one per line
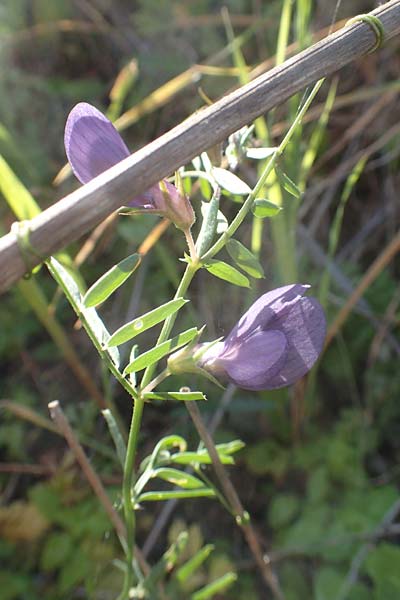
(320, 470)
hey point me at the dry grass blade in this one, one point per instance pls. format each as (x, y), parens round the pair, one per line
(374, 270)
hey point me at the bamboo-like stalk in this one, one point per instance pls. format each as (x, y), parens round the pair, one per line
(77, 213)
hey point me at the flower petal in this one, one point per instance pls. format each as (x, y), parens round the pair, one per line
(265, 308)
(92, 143)
(256, 360)
(305, 329)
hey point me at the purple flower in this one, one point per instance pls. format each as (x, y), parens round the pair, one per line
(93, 145)
(274, 344)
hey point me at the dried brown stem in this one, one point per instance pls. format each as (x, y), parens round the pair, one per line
(241, 516)
(64, 427)
(374, 270)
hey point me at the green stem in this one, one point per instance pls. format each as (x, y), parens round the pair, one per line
(188, 275)
(128, 481)
(246, 206)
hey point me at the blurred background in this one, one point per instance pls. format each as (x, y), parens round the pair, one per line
(320, 470)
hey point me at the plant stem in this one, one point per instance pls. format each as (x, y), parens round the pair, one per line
(188, 275)
(129, 475)
(237, 221)
(191, 245)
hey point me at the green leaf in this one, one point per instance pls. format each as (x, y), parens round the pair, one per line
(110, 281)
(327, 583)
(116, 435)
(187, 570)
(209, 225)
(155, 354)
(73, 571)
(382, 565)
(260, 153)
(230, 447)
(227, 273)
(244, 259)
(264, 208)
(287, 183)
(166, 563)
(190, 458)
(215, 587)
(140, 324)
(58, 547)
(183, 480)
(180, 494)
(185, 396)
(230, 182)
(15, 584)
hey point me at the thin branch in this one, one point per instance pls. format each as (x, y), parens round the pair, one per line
(380, 263)
(363, 552)
(82, 210)
(242, 517)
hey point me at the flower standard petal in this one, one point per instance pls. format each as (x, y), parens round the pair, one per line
(92, 143)
(305, 328)
(265, 308)
(251, 363)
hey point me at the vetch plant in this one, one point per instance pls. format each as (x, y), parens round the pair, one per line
(273, 345)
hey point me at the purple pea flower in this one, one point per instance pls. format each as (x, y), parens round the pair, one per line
(93, 145)
(273, 345)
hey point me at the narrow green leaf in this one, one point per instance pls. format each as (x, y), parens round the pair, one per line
(155, 354)
(215, 587)
(110, 281)
(209, 225)
(230, 182)
(230, 447)
(140, 324)
(116, 435)
(287, 183)
(184, 396)
(180, 494)
(190, 458)
(259, 153)
(191, 566)
(183, 480)
(166, 563)
(227, 273)
(244, 259)
(168, 442)
(264, 208)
